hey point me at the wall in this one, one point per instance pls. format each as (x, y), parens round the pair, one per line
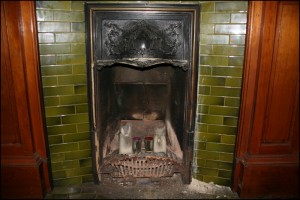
(61, 30)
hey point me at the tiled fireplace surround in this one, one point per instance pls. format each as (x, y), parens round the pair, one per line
(61, 29)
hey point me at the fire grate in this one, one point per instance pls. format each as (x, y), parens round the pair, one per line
(141, 165)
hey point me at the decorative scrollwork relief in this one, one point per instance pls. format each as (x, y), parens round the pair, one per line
(142, 38)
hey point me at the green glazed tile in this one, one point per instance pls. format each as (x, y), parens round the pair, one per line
(203, 109)
(214, 60)
(49, 81)
(202, 127)
(47, 59)
(214, 39)
(78, 48)
(85, 145)
(81, 89)
(55, 130)
(58, 90)
(68, 16)
(77, 118)
(79, 69)
(200, 145)
(200, 162)
(64, 148)
(198, 176)
(58, 174)
(208, 137)
(207, 171)
(228, 139)
(66, 190)
(70, 59)
(68, 181)
(237, 39)
(77, 5)
(70, 37)
(230, 29)
(227, 157)
(57, 157)
(216, 81)
(85, 162)
(224, 91)
(65, 165)
(78, 154)
(207, 29)
(213, 164)
(44, 15)
(228, 50)
(205, 70)
(215, 18)
(231, 121)
(51, 101)
(75, 137)
(219, 147)
(233, 82)
(220, 110)
(222, 129)
(83, 127)
(79, 171)
(78, 27)
(50, 121)
(217, 180)
(58, 5)
(86, 179)
(206, 49)
(72, 79)
(234, 102)
(239, 18)
(56, 70)
(55, 139)
(60, 110)
(236, 60)
(54, 27)
(211, 119)
(204, 90)
(211, 100)
(83, 108)
(73, 99)
(208, 7)
(231, 6)
(46, 37)
(54, 49)
(225, 173)
(210, 155)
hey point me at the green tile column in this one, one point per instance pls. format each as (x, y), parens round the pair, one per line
(61, 30)
(222, 44)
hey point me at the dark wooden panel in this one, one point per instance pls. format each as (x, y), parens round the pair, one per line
(267, 149)
(284, 77)
(268, 180)
(22, 181)
(24, 168)
(15, 84)
(277, 85)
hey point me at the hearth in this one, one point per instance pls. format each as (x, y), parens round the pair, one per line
(142, 69)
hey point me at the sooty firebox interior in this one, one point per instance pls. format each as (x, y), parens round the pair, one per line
(142, 70)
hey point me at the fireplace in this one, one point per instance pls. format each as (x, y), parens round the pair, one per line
(142, 69)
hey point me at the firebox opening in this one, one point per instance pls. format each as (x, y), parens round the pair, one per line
(137, 95)
(148, 100)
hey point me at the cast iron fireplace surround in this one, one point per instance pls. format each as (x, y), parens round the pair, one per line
(142, 75)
